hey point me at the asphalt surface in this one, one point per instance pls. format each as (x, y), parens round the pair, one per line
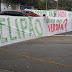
(49, 54)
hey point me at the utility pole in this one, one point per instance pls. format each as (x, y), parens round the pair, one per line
(46, 4)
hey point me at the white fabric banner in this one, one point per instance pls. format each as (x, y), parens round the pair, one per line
(53, 13)
(15, 29)
(57, 25)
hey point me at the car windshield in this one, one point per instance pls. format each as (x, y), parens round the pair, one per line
(13, 13)
(29, 12)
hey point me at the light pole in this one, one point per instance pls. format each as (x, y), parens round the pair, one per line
(46, 4)
(57, 4)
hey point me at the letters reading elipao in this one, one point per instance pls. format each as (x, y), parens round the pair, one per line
(26, 24)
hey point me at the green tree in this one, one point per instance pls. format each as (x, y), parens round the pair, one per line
(42, 4)
(23, 2)
(51, 4)
(65, 4)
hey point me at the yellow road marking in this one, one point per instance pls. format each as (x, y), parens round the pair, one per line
(36, 58)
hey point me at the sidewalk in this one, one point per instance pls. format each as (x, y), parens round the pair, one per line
(52, 39)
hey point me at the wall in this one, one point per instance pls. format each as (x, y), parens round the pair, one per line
(4, 6)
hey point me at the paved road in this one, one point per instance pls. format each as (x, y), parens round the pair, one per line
(40, 55)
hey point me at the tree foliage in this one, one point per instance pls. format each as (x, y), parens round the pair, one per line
(52, 4)
(41, 4)
(65, 4)
(23, 2)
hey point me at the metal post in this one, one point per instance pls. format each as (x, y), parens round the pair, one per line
(57, 5)
(46, 4)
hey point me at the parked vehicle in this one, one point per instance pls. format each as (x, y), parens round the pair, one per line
(13, 13)
(30, 13)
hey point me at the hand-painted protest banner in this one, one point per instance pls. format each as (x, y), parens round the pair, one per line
(57, 13)
(39, 12)
(17, 29)
(58, 25)
(53, 13)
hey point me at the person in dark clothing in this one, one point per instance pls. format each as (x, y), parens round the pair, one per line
(44, 15)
